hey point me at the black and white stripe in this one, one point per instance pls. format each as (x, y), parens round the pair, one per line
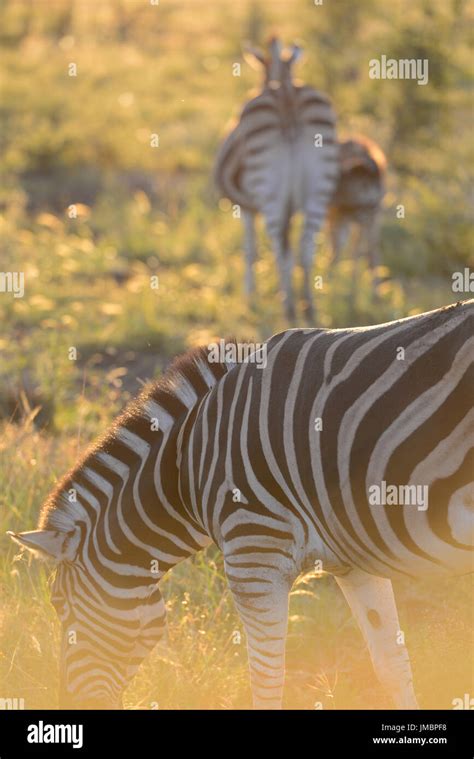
(281, 158)
(274, 465)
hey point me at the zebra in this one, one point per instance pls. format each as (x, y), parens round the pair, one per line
(273, 461)
(281, 158)
(358, 197)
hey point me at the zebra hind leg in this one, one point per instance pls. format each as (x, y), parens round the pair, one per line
(310, 228)
(262, 604)
(285, 265)
(369, 238)
(339, 228)
(279, 235)
(372, 234)
(373, 604)
(250, 242)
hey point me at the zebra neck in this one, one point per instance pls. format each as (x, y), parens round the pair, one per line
(125, 494)
(145, 516)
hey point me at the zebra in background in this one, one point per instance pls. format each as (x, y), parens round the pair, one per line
(281, 158)
(302, 439)
(358, 198)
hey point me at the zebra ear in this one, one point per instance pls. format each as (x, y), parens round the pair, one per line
(254, 56)
(296, 53)
(49, 544)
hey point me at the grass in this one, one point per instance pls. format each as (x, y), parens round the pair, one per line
(91, 329)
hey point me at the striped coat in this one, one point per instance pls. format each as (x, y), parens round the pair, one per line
(353, 448)
(281, 158)
(358, 197)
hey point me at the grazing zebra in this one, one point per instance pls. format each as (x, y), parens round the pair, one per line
(358, 197)
(275, 461)
(280, 159)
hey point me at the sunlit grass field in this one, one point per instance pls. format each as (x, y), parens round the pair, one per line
(90, 328)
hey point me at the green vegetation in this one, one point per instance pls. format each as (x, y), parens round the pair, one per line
(144, 211)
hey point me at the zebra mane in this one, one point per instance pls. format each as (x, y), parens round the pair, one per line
(166, 400)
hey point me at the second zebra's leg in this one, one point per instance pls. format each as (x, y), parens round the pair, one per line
(357, 252)
(373, 604)
(367, 243)
(250, 244)
(372, 236)
(311, 226)
(262, 603)
(339, 228)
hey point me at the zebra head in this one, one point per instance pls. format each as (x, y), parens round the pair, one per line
(105, 632)
(277, 65)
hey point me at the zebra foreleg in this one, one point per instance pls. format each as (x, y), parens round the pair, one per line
(373, 604)
(250, 243)
(262, 604)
